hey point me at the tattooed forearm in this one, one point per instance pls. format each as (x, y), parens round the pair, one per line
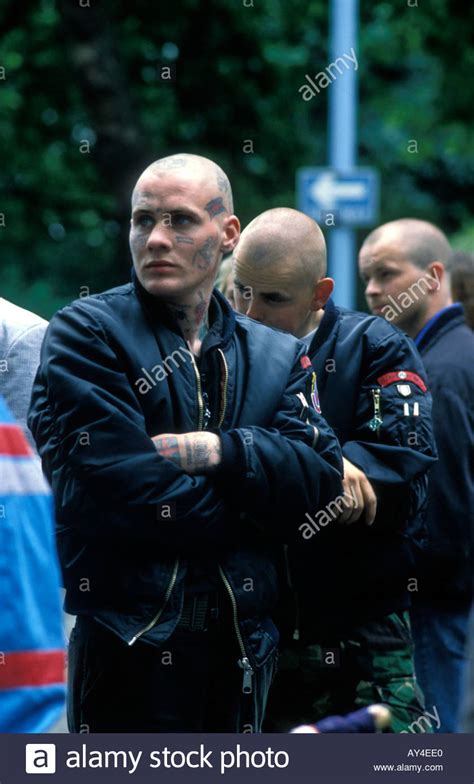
(203, 452)
(205, 255)
(215, 207)
(189, 451)
(168, 447)
(195, 453)
(199, 454)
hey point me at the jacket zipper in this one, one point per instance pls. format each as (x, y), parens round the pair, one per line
(158, 615)
(244, 662)
(377, 420)
(199, 394)
(224, 393)
(174, 575)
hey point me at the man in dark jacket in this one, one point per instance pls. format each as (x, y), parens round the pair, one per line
(405, 267)
(351, 645)
(461, 273)
(178, 455)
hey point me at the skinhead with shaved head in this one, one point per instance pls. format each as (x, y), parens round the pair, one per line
(195, 464)
(204, 168)
(279, 271)
(182, 223)
(403, 266)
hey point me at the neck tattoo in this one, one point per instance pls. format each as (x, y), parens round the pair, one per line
(204, 327)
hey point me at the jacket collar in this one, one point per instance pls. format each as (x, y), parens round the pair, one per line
(443, 321)
(221, 322)
(325, 327)
(221, 315)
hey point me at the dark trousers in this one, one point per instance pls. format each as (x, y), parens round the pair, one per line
(192, 683)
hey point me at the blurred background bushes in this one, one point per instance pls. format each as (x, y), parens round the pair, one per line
(83, 109)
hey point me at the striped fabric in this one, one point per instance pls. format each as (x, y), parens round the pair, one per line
(32, 687)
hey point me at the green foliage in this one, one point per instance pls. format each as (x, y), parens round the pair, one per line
(75, 130)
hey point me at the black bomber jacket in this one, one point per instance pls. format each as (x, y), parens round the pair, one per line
(115, 372)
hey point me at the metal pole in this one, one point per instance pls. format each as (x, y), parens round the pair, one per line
(343, 142)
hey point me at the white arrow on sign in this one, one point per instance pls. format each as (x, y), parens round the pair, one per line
(327, 190)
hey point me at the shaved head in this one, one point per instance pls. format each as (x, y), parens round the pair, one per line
(404, 263)
(283, 237)
(418, 241)
(193, 167)
(180, 228)
(279, 268)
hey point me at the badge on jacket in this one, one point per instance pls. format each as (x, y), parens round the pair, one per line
(404, 390)
(402, 375)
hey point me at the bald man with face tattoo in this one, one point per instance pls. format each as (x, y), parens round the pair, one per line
(346, 634)
(175, 457)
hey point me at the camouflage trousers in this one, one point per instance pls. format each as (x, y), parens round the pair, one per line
(372, 665)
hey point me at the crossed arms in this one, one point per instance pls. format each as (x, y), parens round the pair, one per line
(196, 452)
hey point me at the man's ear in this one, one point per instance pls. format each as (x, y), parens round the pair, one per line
(322, 292)
(231, 233)
(436, 275)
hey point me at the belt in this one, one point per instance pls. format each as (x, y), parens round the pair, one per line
(198, 610)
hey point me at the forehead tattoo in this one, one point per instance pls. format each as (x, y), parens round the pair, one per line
(169, 164)
(142, 197)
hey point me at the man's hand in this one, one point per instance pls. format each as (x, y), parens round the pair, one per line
(356, 486)
(196, 453)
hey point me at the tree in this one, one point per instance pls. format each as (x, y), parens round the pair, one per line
(94, 91)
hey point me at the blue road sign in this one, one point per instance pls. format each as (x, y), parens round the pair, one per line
(351, 197)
